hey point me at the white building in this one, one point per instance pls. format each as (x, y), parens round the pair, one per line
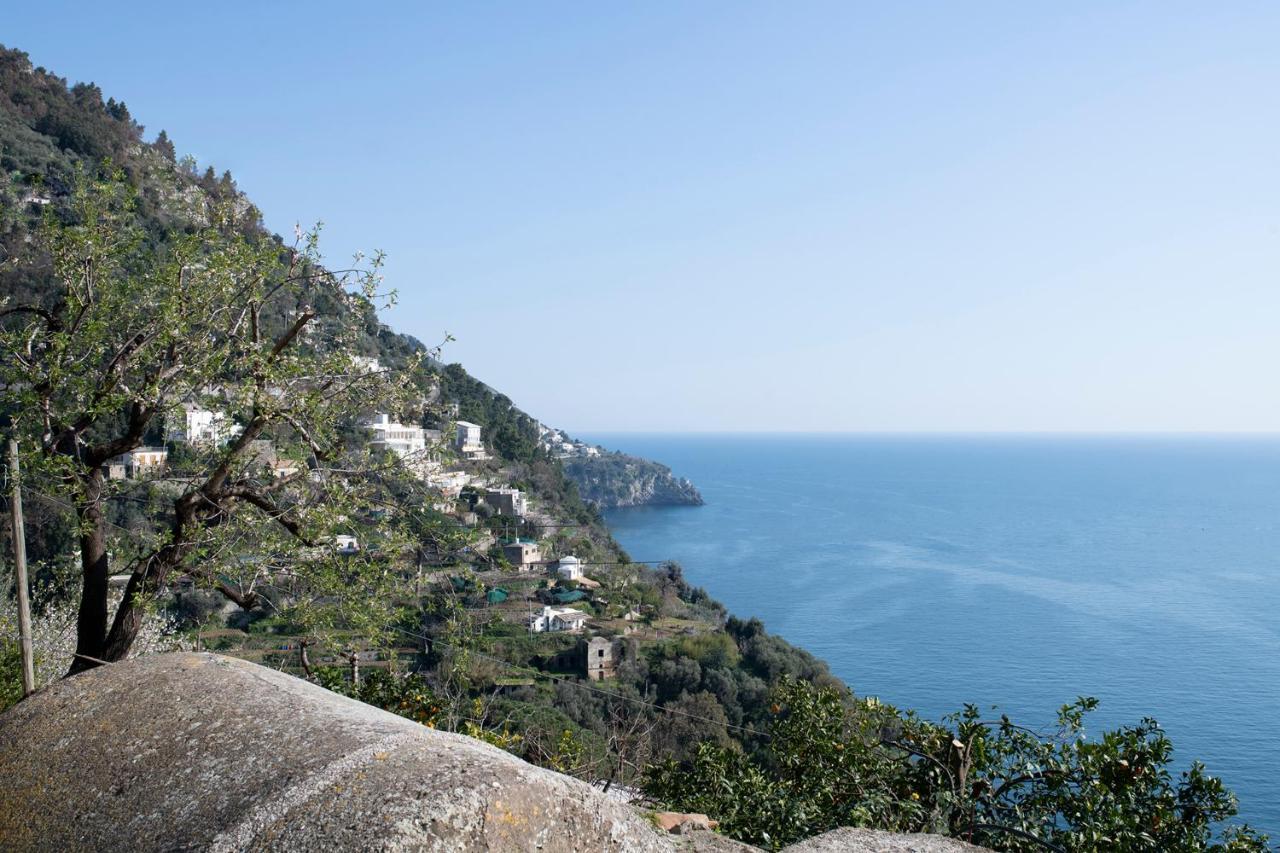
(365, 364)
(202, 426)
(282, 468)
(507, 501)
(346, 545)
(450, 483)
(570, 568)
(467, 440)
(401, 439)
(145, 462)
(557, 619)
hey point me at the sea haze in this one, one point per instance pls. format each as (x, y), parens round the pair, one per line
(1018, 571)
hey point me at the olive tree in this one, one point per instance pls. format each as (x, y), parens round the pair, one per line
(131, 326)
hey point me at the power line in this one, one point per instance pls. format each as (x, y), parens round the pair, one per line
(51, 499)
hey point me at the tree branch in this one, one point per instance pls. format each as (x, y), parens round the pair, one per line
(294, 330)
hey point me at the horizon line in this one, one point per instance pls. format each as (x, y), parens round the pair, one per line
(1274, 433)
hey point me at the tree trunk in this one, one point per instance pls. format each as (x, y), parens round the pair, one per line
(91, 621)
(127, 624)
(143, 584)
(306, 660)
(146, 580)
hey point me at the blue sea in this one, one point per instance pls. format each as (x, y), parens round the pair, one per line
(1018, 571)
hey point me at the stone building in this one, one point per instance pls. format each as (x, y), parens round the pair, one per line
(524, 554)
(594, 658)
(601, 658)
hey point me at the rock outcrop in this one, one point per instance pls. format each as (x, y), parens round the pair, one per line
(848, 840)
(193, 751)
(201, 752)
(618, 480)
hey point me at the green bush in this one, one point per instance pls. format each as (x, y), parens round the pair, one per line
(10, 673)
(834, 762)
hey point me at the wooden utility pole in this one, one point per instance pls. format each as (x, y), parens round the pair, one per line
(20, 565)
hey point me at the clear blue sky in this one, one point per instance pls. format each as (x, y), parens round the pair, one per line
(740, 216)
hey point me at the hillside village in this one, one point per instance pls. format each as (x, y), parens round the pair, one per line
(513, 568)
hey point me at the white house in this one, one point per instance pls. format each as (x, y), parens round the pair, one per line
(467, 440)
(202, 426)
(401, 439)
(365, 364)
(145, 462)
(507, 501)
(346, 545)
(450, 483)
(557, 619)
(282, 468)
(569, 568)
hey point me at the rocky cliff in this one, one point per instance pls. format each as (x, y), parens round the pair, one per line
(618, 480)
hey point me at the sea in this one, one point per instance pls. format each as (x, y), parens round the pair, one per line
(1018, 572)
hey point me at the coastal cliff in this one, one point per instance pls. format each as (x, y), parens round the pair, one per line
(613, 480)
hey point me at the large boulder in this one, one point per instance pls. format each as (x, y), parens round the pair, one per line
(203, 752)
(847, 840)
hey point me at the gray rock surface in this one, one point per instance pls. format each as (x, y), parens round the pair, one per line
(848, 840)
(202, 752)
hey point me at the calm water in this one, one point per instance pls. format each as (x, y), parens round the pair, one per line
(1017, 571)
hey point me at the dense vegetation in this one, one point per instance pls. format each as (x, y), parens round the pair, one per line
(704, 711)
(835, 761)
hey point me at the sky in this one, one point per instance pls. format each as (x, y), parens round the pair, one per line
(748, 216)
